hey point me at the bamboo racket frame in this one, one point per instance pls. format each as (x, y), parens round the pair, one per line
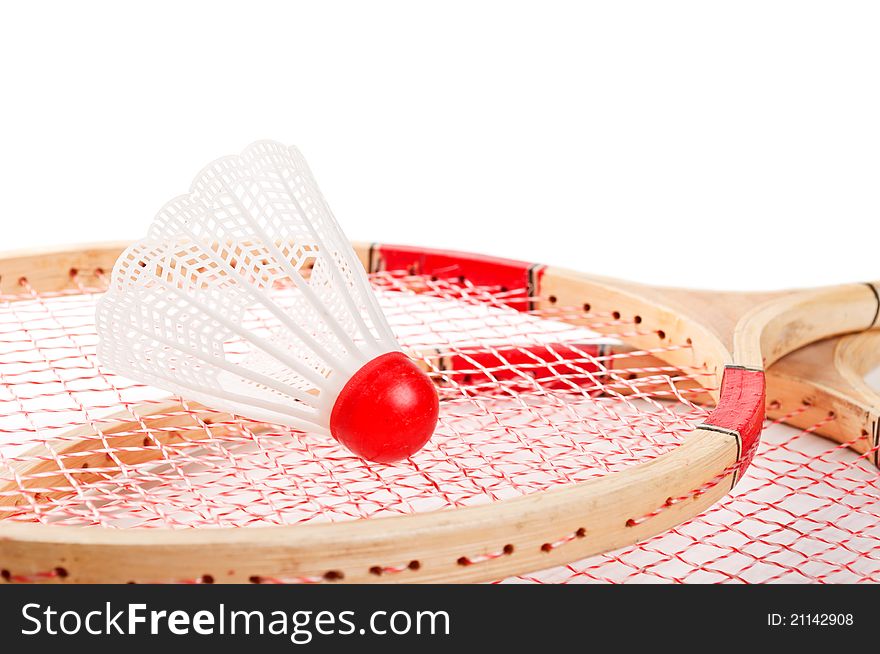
(732, 335)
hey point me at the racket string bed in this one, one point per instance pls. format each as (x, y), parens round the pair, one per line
(809, 511)
(529, 402)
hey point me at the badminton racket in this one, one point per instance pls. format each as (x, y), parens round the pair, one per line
(625, 411)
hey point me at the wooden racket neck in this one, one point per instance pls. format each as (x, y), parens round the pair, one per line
(824, 384)
(759, 328)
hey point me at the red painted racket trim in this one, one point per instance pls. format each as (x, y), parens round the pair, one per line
(741, 407)
(480, 270)
(502, 364)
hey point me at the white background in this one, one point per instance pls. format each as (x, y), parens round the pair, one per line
(727, 145)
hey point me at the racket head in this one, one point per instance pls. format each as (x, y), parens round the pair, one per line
(525, 528)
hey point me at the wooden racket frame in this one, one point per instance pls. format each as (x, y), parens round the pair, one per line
(732, 335)
(824, 383)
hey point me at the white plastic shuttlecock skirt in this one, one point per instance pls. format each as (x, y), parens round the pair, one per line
(245, 296)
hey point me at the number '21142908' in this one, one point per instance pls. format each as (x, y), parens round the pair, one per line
(810, 619)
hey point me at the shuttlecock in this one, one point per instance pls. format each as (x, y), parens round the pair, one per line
(246, 296)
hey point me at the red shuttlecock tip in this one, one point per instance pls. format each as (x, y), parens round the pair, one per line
(387, 411)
